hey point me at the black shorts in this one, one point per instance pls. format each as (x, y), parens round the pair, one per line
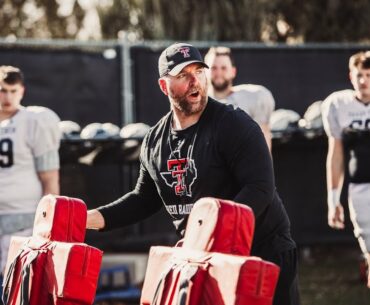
(287, 292)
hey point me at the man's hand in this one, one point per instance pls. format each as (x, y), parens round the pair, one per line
(95, 220)
(336, 217)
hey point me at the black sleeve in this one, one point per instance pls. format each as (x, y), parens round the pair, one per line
(134, 206)
(244, 147)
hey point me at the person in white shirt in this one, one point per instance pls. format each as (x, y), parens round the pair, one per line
(346, 117)
(256, 100)
(29, 158)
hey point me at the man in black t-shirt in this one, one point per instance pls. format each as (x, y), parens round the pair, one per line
(205, 148)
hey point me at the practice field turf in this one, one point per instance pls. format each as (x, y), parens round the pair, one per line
(330, 276)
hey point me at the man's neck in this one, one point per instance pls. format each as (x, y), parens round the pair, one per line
(7, 115)
(365, 99)
(181, 121)
(219, 95)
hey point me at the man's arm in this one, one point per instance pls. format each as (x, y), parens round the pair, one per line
(49, 181)
(267, 134)
(134, 206)
(335, 177)
(244, 148)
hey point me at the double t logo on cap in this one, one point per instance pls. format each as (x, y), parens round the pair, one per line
(185, 51)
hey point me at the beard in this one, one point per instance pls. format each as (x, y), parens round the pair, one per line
(181, 103)
(221, 86)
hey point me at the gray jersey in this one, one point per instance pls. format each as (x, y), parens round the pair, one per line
(255, 100)
(24, 138)
(341, 109)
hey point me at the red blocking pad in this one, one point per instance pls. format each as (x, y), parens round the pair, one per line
(53, 266)
(198, 277)
(217, 225)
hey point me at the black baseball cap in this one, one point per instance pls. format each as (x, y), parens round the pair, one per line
(176, 57)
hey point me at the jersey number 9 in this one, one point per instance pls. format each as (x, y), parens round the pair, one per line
(6, 153)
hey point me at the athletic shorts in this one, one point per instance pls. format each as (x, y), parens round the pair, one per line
(359, 208)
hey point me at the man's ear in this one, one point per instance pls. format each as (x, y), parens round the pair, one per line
(23, 91)
(234, 71)
(163, 85)
(351, 78)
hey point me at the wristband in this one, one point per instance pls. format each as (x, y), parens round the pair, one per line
(333, 198)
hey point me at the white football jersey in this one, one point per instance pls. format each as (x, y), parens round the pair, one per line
(255, 100)
(32, 132)
(341, 109)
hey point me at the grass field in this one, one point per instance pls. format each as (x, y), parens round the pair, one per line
(330, 276)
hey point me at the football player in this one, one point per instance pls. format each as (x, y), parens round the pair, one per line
(29, 159)
(346, 116)
(255, 100)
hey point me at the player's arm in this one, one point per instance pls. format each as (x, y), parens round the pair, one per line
(47, 167)
(267, 134)
(49, 181)
(334, 161)
(335, 177)
(266, 105)
(44, 138)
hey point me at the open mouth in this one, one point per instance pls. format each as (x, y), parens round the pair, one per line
(194, 94)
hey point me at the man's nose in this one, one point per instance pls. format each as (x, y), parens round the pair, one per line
(216, 72)
(362, 80)
(194, 78)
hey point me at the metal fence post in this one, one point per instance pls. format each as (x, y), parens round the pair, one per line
(128, 115)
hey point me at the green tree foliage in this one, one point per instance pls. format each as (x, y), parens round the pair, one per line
(326, 21)
(38, 19)
(201, 20)
(119, 16)
(215, 20)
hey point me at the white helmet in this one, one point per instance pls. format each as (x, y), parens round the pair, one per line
(111, 130)
(281, 119)
(312, 118)
(134, 133)
(69, 129)
(100, 131)
(133, 130)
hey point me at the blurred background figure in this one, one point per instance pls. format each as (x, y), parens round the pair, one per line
(346, 114)
(255, 100)
(29, 159)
